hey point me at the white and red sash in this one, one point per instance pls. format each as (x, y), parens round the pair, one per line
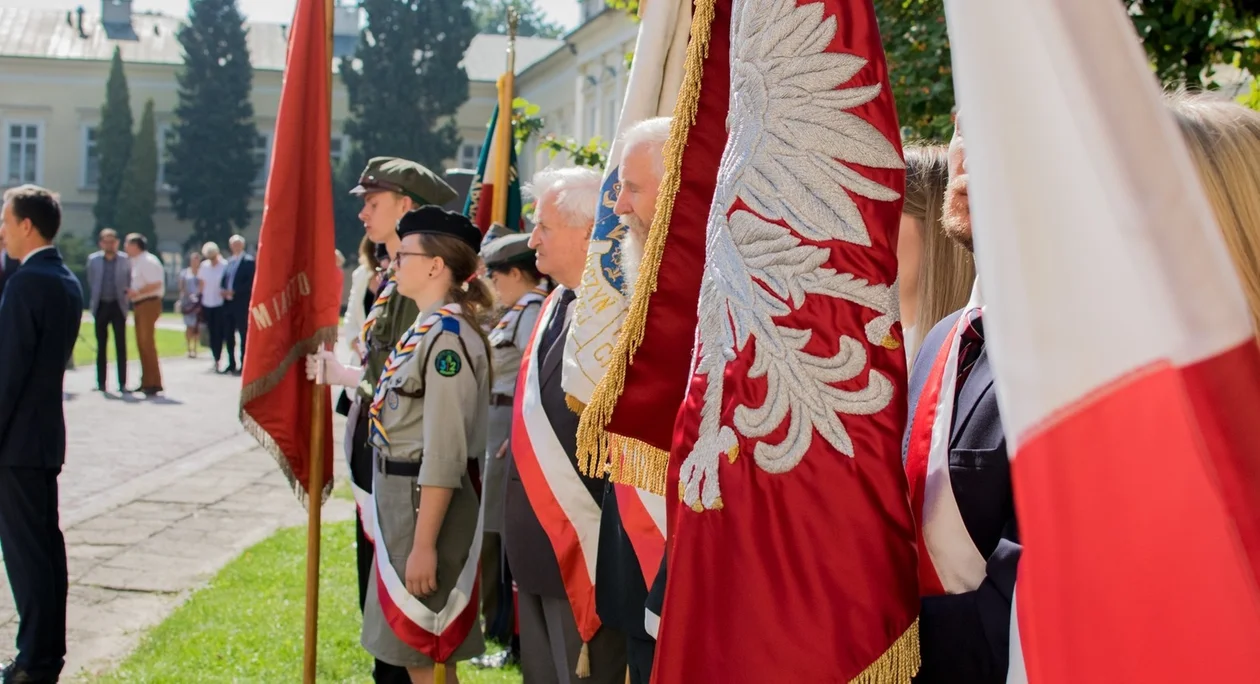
(555, 490)
(435, 634)
(643, 518)
(362, 497)
(949, 562)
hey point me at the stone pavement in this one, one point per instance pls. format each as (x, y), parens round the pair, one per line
(156, 496)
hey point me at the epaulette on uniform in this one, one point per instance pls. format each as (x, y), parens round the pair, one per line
(450, 324)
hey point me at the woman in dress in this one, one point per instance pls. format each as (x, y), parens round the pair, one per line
(190, 303)
(428, 416)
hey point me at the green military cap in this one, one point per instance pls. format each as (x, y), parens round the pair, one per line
(435, 220)
(404, 177)
(509, 250)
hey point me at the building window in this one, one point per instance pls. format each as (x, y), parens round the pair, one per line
(469, 155)
(166, 142)
(91, 158)
(592, 120)
(612, 116)
(262, 154)
(22, 152)
(336, 149)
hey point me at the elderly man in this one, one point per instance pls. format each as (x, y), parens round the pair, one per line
(238, 287)
(148, 287)
(620, 588)
(552, 510)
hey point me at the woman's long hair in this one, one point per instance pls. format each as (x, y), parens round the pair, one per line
(946, 270)
(1224, 140)
(469, 292)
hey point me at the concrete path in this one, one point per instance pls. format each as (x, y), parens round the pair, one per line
(156, 496)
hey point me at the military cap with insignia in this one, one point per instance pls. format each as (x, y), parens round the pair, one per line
(433, 220)
(404, 177)
(509, 250)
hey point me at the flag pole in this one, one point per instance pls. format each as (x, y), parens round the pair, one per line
(503, 129)
(315, 478)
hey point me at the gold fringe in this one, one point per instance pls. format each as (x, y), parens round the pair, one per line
(898, 664)
(584, 662)
(263, 385)
(593, 442)
(575, 405)
(636, 463)
(439, 673)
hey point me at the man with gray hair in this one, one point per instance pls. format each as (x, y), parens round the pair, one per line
(238, 287)
(552, 510)
(620, 588)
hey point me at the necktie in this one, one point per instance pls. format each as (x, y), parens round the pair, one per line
(970, 347)
(556, 324)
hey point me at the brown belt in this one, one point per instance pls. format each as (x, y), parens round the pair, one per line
(500, 400)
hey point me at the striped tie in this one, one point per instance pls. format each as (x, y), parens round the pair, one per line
(391, 283)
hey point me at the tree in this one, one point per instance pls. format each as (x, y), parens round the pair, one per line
(404, 84)
(1184, 39)
(491, 17)
(138, 197)
(212, 167)
(113, 143)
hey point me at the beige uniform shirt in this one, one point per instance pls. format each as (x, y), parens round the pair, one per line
(508, 346)
(436, 407)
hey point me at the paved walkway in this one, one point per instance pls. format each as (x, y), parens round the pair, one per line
(156, 496)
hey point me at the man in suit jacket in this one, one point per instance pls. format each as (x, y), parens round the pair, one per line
(238, 287)
(964, 626)
(109, 278)
(550, 642)
(7, 266)
(39, 317)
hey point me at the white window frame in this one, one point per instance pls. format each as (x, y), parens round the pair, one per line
(260, 181)
(84, 131)
(163, 132)
(476, 157)
(39, 149)
(344, 141)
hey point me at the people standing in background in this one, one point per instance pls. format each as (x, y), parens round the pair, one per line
(934, 273)
(40, 314)
(148, 286)
(190, 303)
(109, 278)
(211, 274)
(238, 287)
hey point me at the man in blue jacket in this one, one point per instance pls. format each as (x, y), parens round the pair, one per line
(40, 312)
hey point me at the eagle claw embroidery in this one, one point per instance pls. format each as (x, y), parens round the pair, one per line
(787, 159)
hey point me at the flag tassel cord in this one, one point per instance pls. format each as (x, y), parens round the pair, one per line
(595, 448)
(898, 664)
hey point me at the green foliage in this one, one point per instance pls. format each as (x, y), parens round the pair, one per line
(405, 85)
(138, 197)
(75, 250)
(916, 44)
(525, 122)
(113, 143)
(593, 154)
(630, 7)
(491, 17)
(212, 167)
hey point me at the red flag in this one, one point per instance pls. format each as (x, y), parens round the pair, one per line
(296, 302)
(796, 538)
(1123, 354)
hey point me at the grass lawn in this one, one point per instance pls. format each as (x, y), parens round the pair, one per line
(246, 626)
(169, 343)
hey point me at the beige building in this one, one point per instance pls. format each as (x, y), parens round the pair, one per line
(54, 64)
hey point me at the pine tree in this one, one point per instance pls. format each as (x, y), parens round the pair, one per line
(405, 85)
(113, 143)
(211, 169)
(138, 197)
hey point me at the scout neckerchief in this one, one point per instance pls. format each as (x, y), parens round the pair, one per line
(391, 283)
(949, 562)
(535, 296)
(403, 351)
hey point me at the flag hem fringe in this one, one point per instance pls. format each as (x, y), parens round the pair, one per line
(260, 387)
(898, 664)
(636, 463)
(593, 438)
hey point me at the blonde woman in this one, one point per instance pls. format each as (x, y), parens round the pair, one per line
(1224, 139)
(190, 303)
(934, 273)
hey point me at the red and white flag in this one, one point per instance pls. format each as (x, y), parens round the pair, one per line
(1126, 364)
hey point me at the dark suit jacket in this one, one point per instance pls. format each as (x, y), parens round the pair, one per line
(8, 266)
(529, 551)
(965, 637)
(239, 278)
(620, 590)
(40, 313)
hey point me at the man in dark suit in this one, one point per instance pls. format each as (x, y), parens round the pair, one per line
(238, 287)
(39, 319)
(7, 265)
(964, 625)
(108, 279)
(550, 641)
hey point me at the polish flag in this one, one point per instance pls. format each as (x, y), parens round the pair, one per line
(1126, 364)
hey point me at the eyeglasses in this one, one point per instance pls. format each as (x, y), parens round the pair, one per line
(398, 256)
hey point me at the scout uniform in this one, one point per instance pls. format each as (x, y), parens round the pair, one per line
(508, 340)
(387, 320)
(428, 415)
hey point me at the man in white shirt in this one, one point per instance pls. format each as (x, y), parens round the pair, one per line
(212, 305)
(148, 286)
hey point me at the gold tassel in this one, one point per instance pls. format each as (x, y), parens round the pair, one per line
(593, 443)
(637, 464)
(575, 405)
(584, 662)
(439, 673)
(898, 664)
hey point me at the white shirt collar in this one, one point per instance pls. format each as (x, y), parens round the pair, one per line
(35, 251)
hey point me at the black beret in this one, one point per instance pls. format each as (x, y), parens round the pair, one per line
(434, 220)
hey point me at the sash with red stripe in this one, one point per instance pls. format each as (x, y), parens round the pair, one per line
(555, 491)
(949, 562)
(643, 518)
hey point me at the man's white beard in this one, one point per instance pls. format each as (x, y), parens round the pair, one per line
(631, 253)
